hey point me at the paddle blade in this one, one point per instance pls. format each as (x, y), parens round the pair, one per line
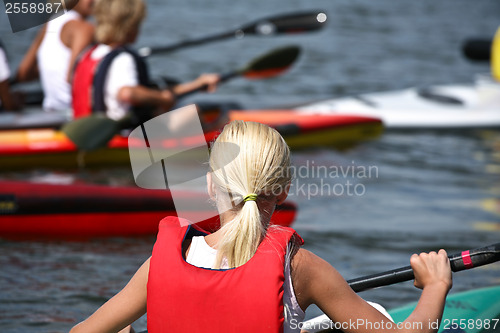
(263, 67)
(477, 49)
(91, 132)
(272, 63)
(495, 56)
(286, 24)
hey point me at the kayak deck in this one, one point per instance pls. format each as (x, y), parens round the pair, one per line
(28, 148)
(433, 108)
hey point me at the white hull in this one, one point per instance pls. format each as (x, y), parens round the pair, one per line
(407, 109)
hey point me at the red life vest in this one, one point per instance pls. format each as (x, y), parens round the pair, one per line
(186, 298)
(89, 77)
(83, 77)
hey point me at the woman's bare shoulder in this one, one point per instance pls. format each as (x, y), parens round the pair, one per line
(307, 264)
(312, 276)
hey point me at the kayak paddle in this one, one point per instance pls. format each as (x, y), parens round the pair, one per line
(483, 50)
(266, 66)
(91, 132)
(292, 23)
(459, 262)
(280, 24)
(95, 131)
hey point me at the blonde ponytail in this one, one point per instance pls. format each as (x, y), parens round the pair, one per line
(259, 171)
(241, 237)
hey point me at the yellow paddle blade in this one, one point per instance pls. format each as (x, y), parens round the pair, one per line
(91, 132)
(495, 56)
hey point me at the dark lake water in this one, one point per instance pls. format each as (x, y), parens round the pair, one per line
(411, 192)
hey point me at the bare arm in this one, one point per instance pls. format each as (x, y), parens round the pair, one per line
(76, 35)
(123, 309)
(316, 281)
(209, 80)
(165, 99)
(10, 101)
(28, 69)
(143, 96)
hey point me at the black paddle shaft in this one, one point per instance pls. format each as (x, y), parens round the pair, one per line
(280, 24)
(458, 262)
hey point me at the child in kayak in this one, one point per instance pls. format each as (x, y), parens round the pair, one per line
(112, 78)
(249, 276)
(54, 51)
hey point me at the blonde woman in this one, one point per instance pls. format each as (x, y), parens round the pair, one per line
(112, 78)
(249, 276)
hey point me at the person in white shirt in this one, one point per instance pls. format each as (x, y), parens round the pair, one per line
(53, 54)
(112, 78)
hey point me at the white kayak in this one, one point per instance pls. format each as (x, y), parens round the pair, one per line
(437, 107)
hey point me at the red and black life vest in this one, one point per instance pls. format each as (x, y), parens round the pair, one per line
(186, 298)
(89, 77)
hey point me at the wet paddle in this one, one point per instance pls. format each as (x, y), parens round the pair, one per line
(95, 131)
(280, 24)
(266, 66)
(459, 262)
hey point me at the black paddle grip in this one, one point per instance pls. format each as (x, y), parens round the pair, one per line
(458, 262)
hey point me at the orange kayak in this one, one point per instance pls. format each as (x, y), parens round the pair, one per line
(28, 148)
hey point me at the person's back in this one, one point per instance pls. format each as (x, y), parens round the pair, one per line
(53, 58)
(202, 255)
(177, 292)
(53, 53)
(102, 71)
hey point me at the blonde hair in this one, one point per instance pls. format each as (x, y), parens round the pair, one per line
(261, 165)
(117, 19)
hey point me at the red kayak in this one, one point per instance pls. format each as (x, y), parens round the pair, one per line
(75, 211)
